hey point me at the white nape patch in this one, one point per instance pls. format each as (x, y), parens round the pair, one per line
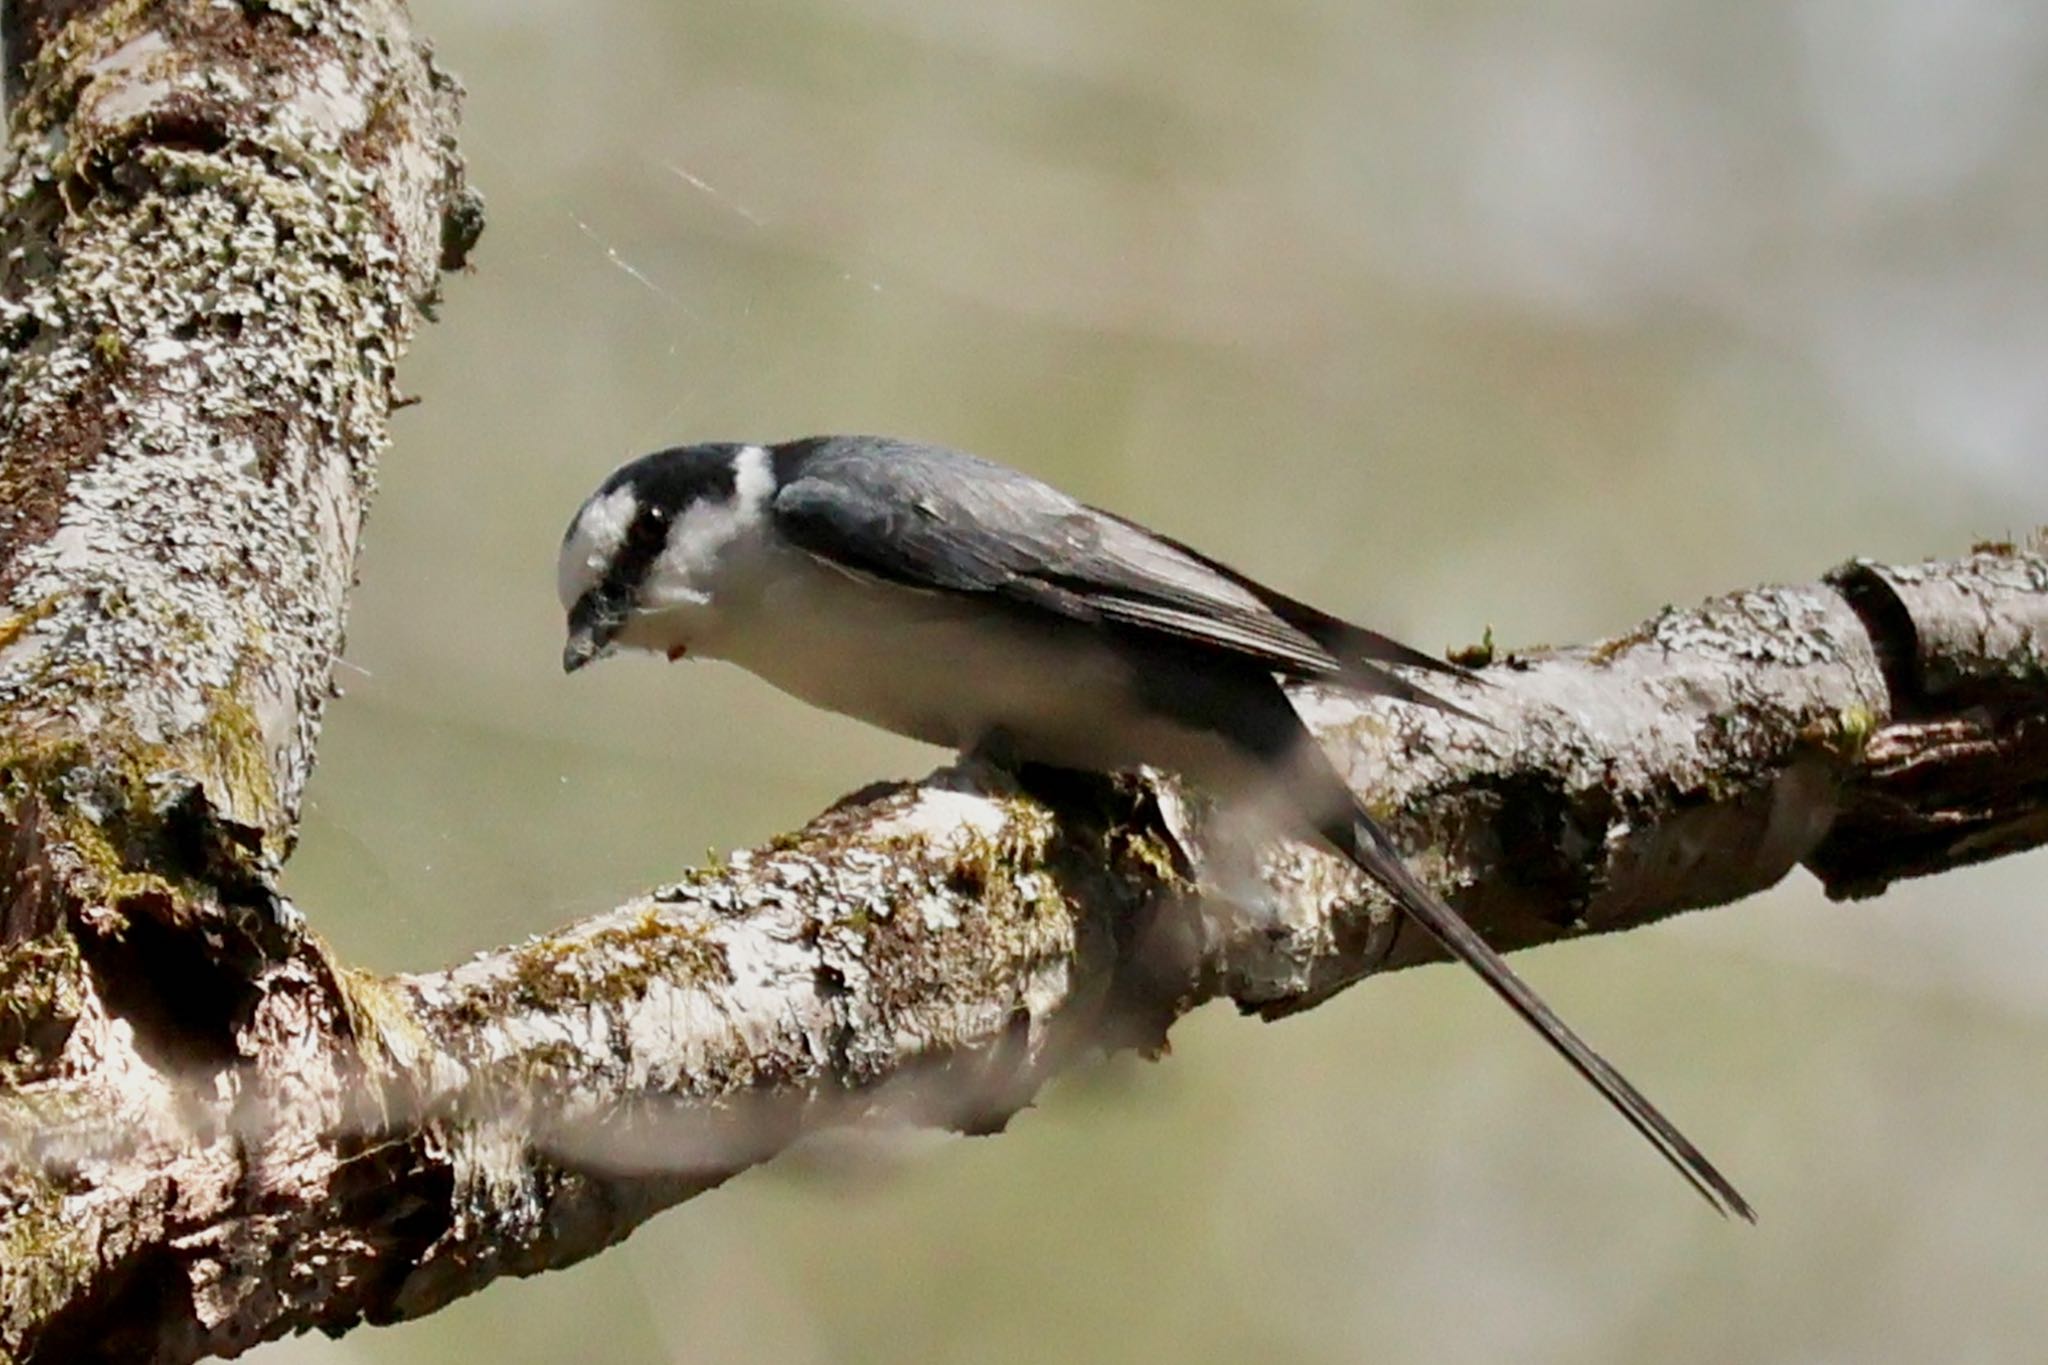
(753, 479)
(688, 571)
(593, 542)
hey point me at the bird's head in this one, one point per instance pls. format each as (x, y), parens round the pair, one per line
(645, 560)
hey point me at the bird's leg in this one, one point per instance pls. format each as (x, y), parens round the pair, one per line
(992, 762)
(995, 748)
(995, 754)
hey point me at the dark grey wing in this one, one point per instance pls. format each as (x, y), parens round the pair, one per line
(1348, 643)
(1359, 653)
(936, 519)
(941, 520)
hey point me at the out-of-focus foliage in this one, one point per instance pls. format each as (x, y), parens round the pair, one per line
(1440, 314)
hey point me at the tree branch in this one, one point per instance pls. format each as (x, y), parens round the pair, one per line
(222, 223)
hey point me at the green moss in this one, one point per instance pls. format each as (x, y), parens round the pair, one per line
(1153, 858)
(46, 1256)
(1475, 656)
(42, 993)
(1845, 734)
(681, 954)
(15, 626)
(232, 757)
(61, 69)
(109, 348)
(606, 966)
(388, 1035)
(1006, 871)
(112, 795)
(112, 805)
(88, 792)
(1607, 651)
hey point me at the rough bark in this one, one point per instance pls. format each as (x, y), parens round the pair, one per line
(221, 222)
(218, 226)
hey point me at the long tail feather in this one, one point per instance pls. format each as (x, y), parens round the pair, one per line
(1381, 682)
(1365, 843)
(1355, 644)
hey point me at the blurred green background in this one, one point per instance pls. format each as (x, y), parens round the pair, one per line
(1441, 315)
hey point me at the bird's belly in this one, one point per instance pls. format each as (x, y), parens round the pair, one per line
(955, 671)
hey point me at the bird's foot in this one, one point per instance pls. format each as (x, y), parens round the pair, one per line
(993, 748)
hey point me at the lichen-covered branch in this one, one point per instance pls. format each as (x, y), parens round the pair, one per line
(221, 222)
(929, 953)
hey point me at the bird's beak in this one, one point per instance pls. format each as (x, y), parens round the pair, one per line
(582, 648)
(594, 622)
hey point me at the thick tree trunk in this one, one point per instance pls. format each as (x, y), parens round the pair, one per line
(222, 223)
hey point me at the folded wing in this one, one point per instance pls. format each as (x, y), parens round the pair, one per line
(912, 519)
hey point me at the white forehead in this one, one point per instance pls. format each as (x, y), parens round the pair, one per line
(593, 542)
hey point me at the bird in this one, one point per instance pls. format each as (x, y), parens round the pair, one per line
(967, 604)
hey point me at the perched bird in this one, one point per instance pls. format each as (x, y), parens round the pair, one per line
(965, 604)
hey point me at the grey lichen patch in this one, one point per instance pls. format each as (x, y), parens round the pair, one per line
(988, 854)
(1794, 627)
(999, 912)
(1745, 747)
(961, 923)
(1957, 634)
(175, 558)
(201, 371)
